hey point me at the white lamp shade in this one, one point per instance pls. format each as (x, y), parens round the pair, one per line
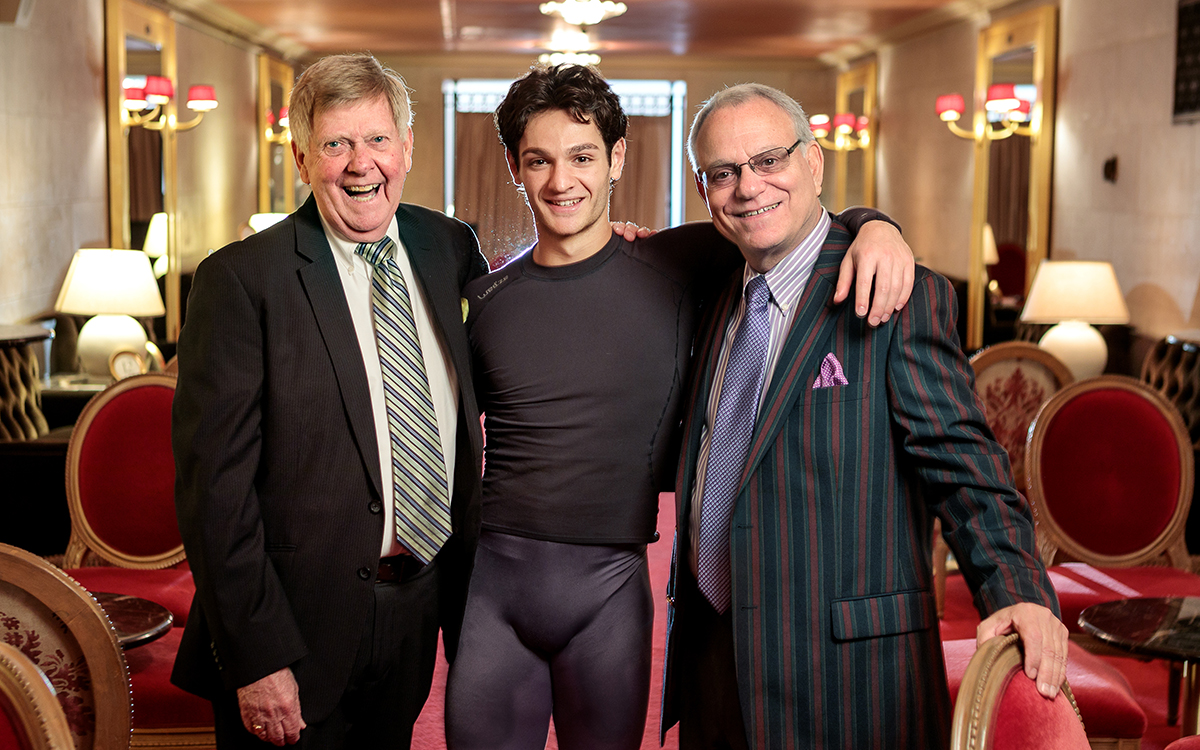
(991, 255)
(1075, 290)
(110, 282)
(156, 236)
(259, 222)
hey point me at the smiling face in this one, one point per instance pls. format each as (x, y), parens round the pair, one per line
(566, 174)
(356, 162)
(766, 216)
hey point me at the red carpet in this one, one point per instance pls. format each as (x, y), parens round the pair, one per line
(429, 733)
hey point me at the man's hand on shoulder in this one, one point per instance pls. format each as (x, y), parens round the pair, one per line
(1044, 637)
(879, 253)
(631, 231)
(271, 708)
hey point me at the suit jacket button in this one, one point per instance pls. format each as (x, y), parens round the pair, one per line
(364, 573)
(375, 506)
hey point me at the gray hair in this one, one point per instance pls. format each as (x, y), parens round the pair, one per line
(338, 80)
(740, 94)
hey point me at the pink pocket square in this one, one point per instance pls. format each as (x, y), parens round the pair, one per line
(831, 373)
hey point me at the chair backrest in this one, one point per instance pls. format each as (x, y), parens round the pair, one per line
(30, 716)
(1110, 475)
(121, 477)
(59, 626)
(998, 708)
(1014, 379)
(1172, 368)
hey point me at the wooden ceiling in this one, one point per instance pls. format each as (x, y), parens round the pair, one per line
(720, 28)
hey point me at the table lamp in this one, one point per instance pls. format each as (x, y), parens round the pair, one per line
(155, 245)
(110, 285)
(1075, 294)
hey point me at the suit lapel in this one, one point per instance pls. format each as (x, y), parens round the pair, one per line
(429, 259)
(804, 349)
(328, 299)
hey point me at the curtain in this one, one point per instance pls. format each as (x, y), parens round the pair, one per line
(1008, 190)
(643, 194)
(145, 174)
(484, 195)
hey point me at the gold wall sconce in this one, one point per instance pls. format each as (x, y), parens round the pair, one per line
(850, 133)
(1009, 109)
(142, 105)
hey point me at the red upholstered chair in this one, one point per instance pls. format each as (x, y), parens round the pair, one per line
(121, 495)
(1185, 743)
(30, 717)
(997, 707)
(59, 626)
(1110, 475)
(1111, 715)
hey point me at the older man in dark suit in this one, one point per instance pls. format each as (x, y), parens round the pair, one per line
(327, 439)
(817, 452)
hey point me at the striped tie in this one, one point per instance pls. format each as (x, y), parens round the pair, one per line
(419, 490)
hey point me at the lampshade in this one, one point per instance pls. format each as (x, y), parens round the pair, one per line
(202, 98)
(991, 255)
(159, 89)
(843, 122)
(950, 106)
(1001, 97)
(820, 125)
(259, 222)
(135, 100)
(283, 117)
(1075, 290)
(156, 236)
(1074, 293)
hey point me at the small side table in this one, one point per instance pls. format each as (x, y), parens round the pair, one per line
(137, 621)
(1163, 628)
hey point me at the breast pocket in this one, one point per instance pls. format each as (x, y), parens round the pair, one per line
(837, 393)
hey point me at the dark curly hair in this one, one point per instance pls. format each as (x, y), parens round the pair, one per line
(578, 90)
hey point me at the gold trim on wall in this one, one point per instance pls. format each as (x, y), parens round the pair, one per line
(863, 77)
(273, 71)
(1036, 28)
(126, 18)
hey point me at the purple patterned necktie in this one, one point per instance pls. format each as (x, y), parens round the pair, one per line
(732, 427)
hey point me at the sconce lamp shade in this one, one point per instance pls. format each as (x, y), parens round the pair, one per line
(155, 245)
(1002, 97)
(950, 107)
(844, 123)
(259, 222)
(159, 89)
(820, 125)
(991, 254)
(1074, 294)
(202, 98)
(135, 100)
(863, 124)
(283, 117)
(110, 285)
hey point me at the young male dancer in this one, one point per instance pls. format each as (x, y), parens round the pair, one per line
(581, 348)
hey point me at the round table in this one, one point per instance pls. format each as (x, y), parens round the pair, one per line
(1164, 628)
(137, 621)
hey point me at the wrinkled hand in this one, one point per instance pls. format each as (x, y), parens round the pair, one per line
(631, 231)
(271, 708)
(877, 252)
(1045, 639)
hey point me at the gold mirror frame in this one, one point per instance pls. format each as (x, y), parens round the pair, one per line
(126, 18)
(273, 72)
(862, 78)
(1038, 29)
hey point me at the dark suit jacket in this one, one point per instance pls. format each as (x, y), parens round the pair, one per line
(278, 485)
(835, 629)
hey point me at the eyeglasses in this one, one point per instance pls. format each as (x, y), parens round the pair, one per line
(768, 162)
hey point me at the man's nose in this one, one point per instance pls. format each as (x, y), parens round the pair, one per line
(360, 159)
(749, 183)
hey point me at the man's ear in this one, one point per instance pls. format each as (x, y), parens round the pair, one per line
(513, 170)
(816, 163)
(300, 158)
(617, 160)
(702, 191)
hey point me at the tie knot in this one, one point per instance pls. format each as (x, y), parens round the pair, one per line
(375, 252)
(758, 294)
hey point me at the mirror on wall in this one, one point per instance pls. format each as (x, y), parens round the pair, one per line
(140, 43)
(857, 92)
(1010, 218)
(276, 168)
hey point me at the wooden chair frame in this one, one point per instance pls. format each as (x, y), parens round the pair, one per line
(91, 629)
(83, 538)
(24, 686)
(1053, 542)
(1009, 350)
(983, 684)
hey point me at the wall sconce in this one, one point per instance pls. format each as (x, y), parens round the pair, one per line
(1009, 111)
(850, 133)
(583, 12)
(284, 136)
(1075, 294)
(110, 285)
(143, 106)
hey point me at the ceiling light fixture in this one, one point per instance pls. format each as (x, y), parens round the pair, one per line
(569, 58)
(583, 12)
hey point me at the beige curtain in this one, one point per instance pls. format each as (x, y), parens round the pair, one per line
(145, 174)
(1008, 190)
(485, 197)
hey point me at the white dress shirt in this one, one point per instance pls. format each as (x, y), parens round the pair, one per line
(355, 274)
